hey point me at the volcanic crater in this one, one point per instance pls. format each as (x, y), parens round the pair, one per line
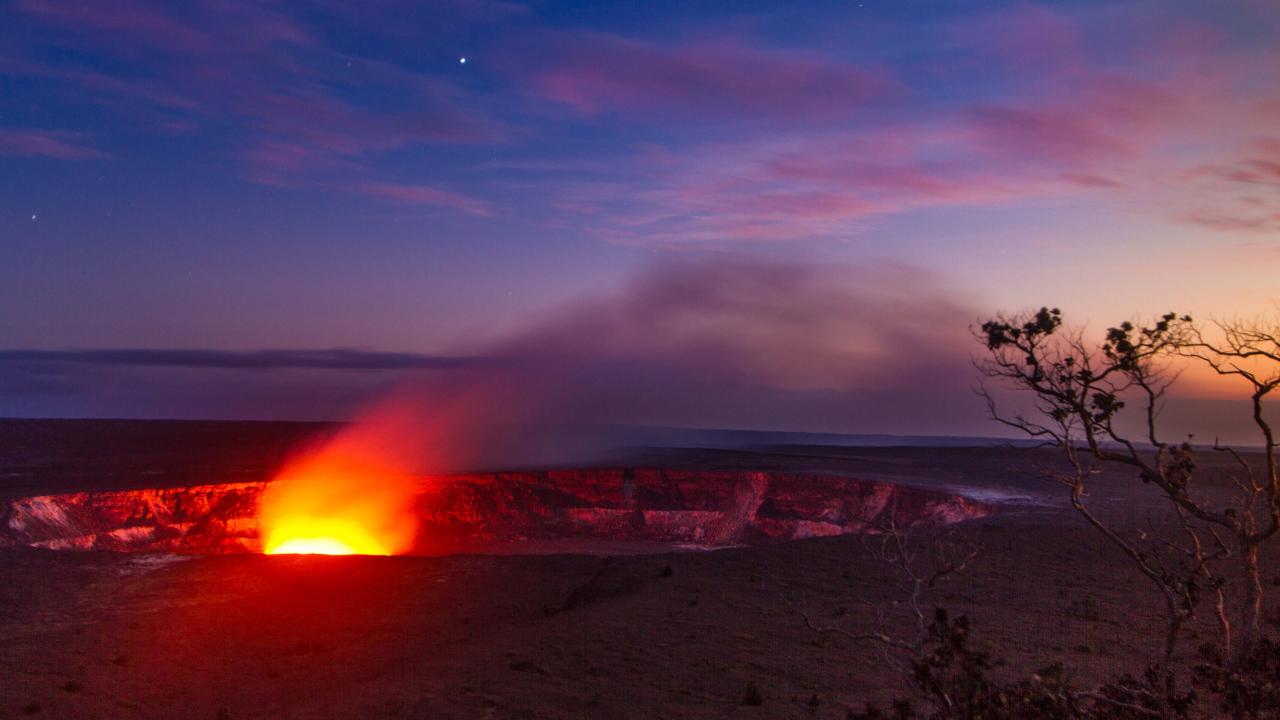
(603, 510)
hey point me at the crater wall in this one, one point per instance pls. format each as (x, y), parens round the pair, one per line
(458, 513)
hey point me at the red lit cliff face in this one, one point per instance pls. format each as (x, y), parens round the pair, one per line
(200, 519)
(490, 511)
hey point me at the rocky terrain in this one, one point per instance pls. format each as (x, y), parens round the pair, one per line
(507, 511)
(644, 632)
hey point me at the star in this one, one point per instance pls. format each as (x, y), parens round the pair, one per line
(33, 217)
(462, 61)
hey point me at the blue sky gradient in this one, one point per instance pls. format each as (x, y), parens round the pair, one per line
(240, 177)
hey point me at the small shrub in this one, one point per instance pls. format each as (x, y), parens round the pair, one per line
(952, 679)
(1250, 688)
(1122, 695)
(953, 676)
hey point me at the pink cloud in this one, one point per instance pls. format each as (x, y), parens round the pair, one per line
(57, 144)
(1235, 223)
(1070, 120)
(1036, 135)
(199, 28)
(139, 21)
(1087, 180)
(301, 123)
(1066, 123)
(757, 142)
(1240, 194)
(1093, 118)
(333, 124)
(892, 163)
(825, 186)
(310, 132)
(287, 163)
(423, 195)
(1260, 167)
(124, 91)
(594, 72)
(1024, 38)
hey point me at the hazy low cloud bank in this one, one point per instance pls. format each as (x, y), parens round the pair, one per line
(750, 345)
(334, 359)
(880, 349)
(741, 344)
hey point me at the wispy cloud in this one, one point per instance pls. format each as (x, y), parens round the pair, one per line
(594, 72)
(139, 22)
(718, 133)
(57, 144)
(300, 111)
(1070, 110)
(424, 195)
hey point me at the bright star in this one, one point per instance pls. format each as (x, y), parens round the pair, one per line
(462, 61)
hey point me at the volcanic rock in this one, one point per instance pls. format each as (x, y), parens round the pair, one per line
(504, 511)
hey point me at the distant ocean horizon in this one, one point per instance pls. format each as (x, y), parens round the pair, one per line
(631, 436)
(634, 435)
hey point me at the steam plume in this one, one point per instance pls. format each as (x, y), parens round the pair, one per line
(696, 343)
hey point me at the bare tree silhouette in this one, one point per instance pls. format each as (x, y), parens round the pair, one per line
(1078, 389)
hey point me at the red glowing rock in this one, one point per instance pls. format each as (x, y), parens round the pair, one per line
(507, 510)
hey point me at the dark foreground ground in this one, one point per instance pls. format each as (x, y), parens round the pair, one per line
(95, 635)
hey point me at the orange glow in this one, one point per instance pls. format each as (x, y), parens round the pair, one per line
(346, 498)
(316, 536)
(314, 546)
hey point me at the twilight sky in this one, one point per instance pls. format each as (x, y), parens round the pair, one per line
(201, 201)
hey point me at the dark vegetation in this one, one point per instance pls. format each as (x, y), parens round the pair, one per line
(1204, 558)
(956, 677)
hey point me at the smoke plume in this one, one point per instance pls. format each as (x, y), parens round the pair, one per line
(741, 345)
